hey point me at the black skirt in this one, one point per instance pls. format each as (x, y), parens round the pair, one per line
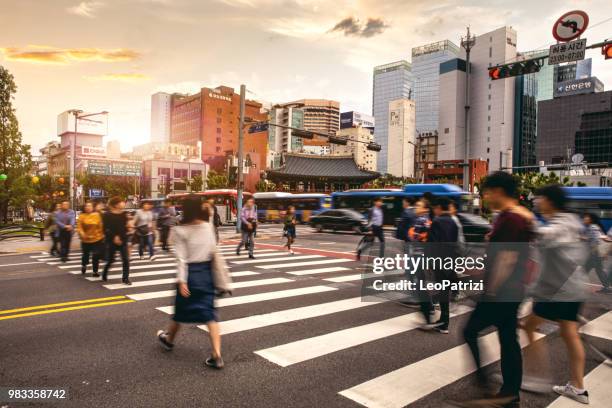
(199, 307)
(558, 310)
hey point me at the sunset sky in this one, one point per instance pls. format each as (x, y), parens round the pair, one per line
(113, 54)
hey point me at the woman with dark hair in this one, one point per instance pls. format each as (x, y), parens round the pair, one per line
(201, 273)
(558, 293)
(91, 232)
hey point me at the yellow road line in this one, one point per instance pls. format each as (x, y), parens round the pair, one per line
(65, 309)
(75, 302)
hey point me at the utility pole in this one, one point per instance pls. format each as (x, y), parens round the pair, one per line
(72, 161)
(467, 43)
(239, 178)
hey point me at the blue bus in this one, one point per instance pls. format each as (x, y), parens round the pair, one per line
(594, 200)
(271, 206)
(362, 200)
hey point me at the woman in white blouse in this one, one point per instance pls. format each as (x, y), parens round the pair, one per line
(201, 274)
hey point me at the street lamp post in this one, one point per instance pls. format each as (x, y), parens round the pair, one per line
(77, 117)
(467, 43)
(239, 177)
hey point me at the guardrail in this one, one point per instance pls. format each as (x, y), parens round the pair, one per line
(20, 231)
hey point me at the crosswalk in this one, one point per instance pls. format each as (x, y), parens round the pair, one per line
(303, 294)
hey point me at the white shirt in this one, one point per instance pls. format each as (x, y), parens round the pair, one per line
(193, 243)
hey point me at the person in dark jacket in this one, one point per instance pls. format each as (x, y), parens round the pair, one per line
(166, 220)
(407, 219)
(442, 243)
(216, 218)
(52, 230)
(115, 231)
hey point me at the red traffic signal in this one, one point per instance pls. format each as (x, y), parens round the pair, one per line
(607, 51)
(494, 73)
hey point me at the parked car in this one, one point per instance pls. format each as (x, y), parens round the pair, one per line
(339, 220)
(474, 226)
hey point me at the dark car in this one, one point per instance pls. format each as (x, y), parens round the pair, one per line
(474, 226)
(339, 220)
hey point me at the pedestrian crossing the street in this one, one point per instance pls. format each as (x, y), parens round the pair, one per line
(326, 289)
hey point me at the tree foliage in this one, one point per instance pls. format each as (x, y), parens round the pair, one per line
(121, 186)
(15, 157)
(389, 180)
(216, 180)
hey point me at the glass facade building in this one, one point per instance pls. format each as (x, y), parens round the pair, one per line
(391, 82)
(426, 62)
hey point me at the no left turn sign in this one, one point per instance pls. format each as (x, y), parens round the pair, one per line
(570, 25)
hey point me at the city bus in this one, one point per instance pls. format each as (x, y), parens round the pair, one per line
(594, 200)
(225, 201)
(272, 205)
(362, 200)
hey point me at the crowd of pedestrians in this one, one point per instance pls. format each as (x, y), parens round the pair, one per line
(567, 247)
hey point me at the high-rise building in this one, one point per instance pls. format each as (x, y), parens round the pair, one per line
(211, 117)
(401, 139)
(580, 123)
(357, 139)
(161, 114)
(280, 139)
(491, 103)
(320, 115)
(426, 152)
(392, 81)
(426, 61)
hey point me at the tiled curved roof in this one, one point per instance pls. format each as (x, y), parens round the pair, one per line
(331, 167)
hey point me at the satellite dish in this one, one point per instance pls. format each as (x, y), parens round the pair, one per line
(577, 158)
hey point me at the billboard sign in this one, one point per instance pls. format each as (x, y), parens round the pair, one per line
(93, 125)
(96, 193)
(93, 151)
(114, 168)
(567, 52)
(578, 86)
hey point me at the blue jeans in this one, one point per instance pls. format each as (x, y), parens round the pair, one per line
(148, 241)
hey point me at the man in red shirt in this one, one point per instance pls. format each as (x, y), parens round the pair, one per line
(507, 254)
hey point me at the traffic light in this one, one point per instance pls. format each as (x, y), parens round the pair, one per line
(607, 51)
(375, 147)
(516, 68)
(338, 140)
(302, 133)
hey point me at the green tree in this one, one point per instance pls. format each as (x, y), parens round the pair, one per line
(15, 157)
(216, 180)
(264, 185)
(121, 186)
(197, 183)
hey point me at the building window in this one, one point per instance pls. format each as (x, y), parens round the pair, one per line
(489, 96)
(218, 120)
(218, 149)
(196, 173)
(489, 107)
(489, 86)
(218, 140)
(163, 171)
(218, 130)
(219, 111)
(490, 52)
(446, 130)
(180, 173)
(488, 128)
(489, 118)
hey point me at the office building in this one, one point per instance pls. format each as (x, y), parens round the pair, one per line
(280, 139)
(391, 82)
(352, 119)
(451, 172)
(210, 118)
(319, 115)
(357, 139)
(426, 152)
(163, 177)
(426, 61)
(165, 151)
(579, 123)
(401, 138)
(161, 114)
(491, 102)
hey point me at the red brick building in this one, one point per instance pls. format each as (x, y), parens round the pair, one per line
(212, 117)
(451, 172)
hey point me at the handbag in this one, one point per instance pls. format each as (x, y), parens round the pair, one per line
(221, 276)
(142, 230)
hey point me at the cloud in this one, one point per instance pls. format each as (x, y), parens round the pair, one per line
(86, 8)
(65, 56)
(351, 26)
(127, 77)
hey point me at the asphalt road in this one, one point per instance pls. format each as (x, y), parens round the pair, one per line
(307, 341)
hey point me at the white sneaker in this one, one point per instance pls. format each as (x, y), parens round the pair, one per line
(569, 391)
(152, 258)
(291, 252)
